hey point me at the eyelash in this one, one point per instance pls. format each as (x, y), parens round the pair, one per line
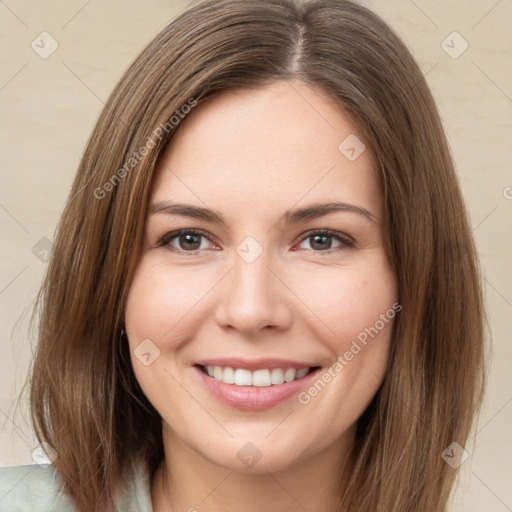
(345, 242)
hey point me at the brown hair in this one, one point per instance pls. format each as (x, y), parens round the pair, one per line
(85, 400)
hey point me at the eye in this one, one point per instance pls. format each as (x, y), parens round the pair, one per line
(194, 240)
(322, 241)
(184, 240)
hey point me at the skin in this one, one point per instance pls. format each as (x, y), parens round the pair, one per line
(250, 156)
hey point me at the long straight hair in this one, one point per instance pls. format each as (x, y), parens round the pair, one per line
(85, 400)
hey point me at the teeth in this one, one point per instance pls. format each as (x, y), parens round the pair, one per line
(258, 378)
(242, 377)
(301, 373)
(261, 378)
(229, 376)
(289, 374)
(277, 377)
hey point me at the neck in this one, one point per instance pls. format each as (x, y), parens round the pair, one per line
(187, 481)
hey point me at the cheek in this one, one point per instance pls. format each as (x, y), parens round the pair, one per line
(157, 306)
(350, 302)
(160, 301)
(358, 305)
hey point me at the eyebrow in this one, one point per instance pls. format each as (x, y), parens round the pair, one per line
(291, 216)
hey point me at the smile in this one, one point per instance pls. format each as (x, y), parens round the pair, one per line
(258, 378)
(256, 385)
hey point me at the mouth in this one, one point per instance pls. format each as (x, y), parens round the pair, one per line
(263, 377)
(254, 386)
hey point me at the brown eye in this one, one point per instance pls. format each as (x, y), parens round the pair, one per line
(322, 241)
(189, 242)
(185, 240)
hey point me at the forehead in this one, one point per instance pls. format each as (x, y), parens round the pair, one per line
(278, 144)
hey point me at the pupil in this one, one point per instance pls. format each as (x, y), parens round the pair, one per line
(315, 241)
(190, 240)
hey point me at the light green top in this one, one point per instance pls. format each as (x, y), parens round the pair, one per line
(36, 488)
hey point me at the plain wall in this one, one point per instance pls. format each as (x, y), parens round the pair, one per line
(49, 106)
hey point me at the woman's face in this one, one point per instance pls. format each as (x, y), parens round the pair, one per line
(255, 277)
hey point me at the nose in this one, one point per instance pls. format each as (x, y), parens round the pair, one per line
(253, 297)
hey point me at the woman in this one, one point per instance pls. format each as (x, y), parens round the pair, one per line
(262, 281)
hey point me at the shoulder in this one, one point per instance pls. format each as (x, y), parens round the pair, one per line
(39, 489)
(33, 487)
(136, 490)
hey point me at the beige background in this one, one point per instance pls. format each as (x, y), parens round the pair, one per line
(48, 108)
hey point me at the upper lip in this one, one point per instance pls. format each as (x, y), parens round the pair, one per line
(255, 364)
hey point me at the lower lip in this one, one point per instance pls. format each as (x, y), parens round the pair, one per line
(253, 398)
